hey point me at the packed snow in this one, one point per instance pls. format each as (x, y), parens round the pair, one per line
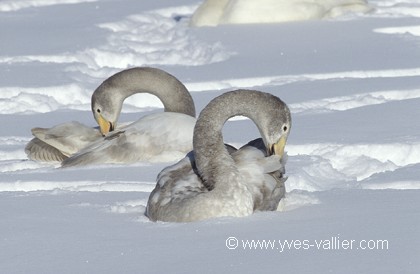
(352, 84)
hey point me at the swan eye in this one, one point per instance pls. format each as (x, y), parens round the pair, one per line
(98, 110)
(284, 128)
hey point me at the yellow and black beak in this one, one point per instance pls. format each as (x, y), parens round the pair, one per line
(278, 148)
(104, 125)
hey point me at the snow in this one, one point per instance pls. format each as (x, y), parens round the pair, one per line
(352, 84)
(10, 5)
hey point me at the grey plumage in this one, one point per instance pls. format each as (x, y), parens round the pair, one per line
(59, 142)
(214, 181)
(38, 150)
(172, 92)
(108, 98)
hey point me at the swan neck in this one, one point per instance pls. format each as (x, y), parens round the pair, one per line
(172, 93)
(212, 158)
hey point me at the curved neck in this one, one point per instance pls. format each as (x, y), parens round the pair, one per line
(212, 158)
(173, 94)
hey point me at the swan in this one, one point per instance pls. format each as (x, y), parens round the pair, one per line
(214, 180)
(168, 133)
(215, 12)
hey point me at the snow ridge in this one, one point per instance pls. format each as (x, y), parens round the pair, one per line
(11, 5)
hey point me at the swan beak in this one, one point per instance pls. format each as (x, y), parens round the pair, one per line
(104, 126)
(278, 148)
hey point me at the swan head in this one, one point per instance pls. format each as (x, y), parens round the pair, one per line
(108, 98)
(106, 107)
(275, 127)
(277, 147)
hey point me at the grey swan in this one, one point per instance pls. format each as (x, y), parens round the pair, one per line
(215, 180)
(159, 136)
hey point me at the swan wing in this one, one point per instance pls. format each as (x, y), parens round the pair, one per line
(263, 174)
(175, 197)
(38, 150)
(59, 142)
(177, 185)
(175, 188)
(157, 137)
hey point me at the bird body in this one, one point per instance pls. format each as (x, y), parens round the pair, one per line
(158, 137)
(215, 180)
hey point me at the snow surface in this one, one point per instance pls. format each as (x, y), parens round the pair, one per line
(352, 83)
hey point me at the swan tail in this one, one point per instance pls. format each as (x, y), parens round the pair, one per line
(40, 151)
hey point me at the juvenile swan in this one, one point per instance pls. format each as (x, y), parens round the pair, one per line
(167, 133)
(214, 180)
(163, 136)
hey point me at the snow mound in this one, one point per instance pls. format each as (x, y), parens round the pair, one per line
(413, 30)
(215, 12)
(131, 206)
(279, 80)
(76, 186)
(397, 9)
(329, 166)
(342, 103)
(158, 37)
(12, 5)
(296, 199)
(43, 99)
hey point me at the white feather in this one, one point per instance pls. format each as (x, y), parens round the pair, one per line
(157, 137)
